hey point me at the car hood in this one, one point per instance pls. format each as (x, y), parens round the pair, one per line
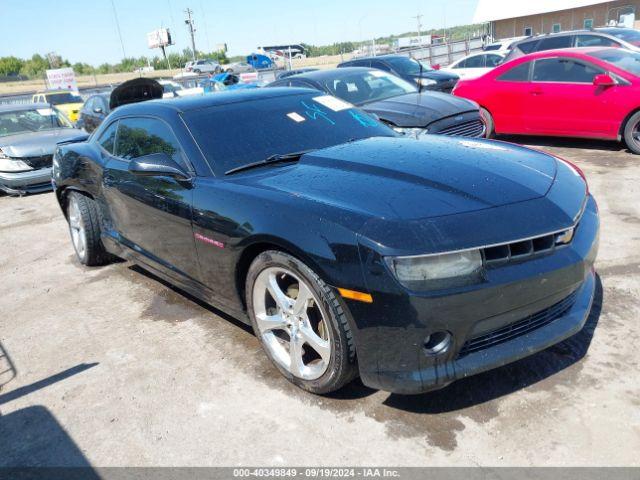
(35, 144)
(419, 109)
(407, 179)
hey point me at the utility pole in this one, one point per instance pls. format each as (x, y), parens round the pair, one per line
(115, 15)
(192, 31)
(418, 19)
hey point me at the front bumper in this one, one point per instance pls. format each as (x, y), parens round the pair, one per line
(19, 183)
(390, 333)
(440, 375)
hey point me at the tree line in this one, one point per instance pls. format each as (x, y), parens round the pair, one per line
(35, 66)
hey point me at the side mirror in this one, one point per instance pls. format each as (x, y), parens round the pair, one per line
(97, 110)
(604, 80)
(158, 165)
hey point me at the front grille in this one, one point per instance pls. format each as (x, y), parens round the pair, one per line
(36, 163)
(526, 249)
(473, 128)
(521, 327)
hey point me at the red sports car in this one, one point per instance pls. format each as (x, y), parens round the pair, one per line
(580, 92)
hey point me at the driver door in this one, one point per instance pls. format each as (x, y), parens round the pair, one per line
(563, 100)
(151, 214)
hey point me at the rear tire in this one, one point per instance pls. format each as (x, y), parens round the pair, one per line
(488, 120)
(632, 133)
(84, 227)
(310, 342)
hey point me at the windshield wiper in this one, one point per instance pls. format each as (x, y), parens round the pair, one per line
(276, 158)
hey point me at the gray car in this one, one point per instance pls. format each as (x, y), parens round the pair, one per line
(396, 102)
(28, 137)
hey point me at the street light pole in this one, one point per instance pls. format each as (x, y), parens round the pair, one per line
(192, 30)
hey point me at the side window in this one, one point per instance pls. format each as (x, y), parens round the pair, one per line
(108, 138)
(517, 74)
(553, 43)
(528, 47)
(563, 70)
(380, 65)
(362, 63)
(595, 41)
(475, 62)
(89, 105)
(462, 64)
(143, 136)
(493, 61)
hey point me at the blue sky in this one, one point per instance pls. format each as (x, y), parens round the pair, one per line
(85, 31)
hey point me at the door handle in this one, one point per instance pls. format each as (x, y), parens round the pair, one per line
(536, 92)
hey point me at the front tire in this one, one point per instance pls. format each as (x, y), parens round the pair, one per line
(300, 322)
(84, 227)
(632, 133)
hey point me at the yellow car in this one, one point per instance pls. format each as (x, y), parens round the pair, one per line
(67, 102)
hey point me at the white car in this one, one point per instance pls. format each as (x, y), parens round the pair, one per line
(173, 89)
(203, 66)
(476, 65)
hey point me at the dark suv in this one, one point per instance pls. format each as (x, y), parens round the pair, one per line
(409, 69)
(578, 38)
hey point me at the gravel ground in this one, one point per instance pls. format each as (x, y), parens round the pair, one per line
(111, 367)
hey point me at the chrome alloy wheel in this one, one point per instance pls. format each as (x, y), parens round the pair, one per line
(292, 325)
(76, 226)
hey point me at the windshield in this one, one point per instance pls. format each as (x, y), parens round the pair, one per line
(408, 66)
(623, 59)
(61, 98)
(23, 121)
(241, 133)
(627, 35)
(360, 88)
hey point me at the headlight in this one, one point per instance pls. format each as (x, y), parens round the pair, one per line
(412, 132)
(12, 165)
(425, 82)
(446, 270)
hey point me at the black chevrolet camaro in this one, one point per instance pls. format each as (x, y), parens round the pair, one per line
(349, 249)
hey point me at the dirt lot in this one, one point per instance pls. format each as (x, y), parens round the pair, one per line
(112, 367)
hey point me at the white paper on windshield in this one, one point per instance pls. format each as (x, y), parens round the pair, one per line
(45, 112)
(296, 117)
(377, 73)
(333, 103)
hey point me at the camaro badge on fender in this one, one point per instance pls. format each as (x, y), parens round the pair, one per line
(208, 240)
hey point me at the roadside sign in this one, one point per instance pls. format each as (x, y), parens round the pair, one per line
(61, 79)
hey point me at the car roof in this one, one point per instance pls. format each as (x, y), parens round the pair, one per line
(379, 57)
(331, 73)
(572, 52)
(565, 34)
(19, 107)
(195, 102)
